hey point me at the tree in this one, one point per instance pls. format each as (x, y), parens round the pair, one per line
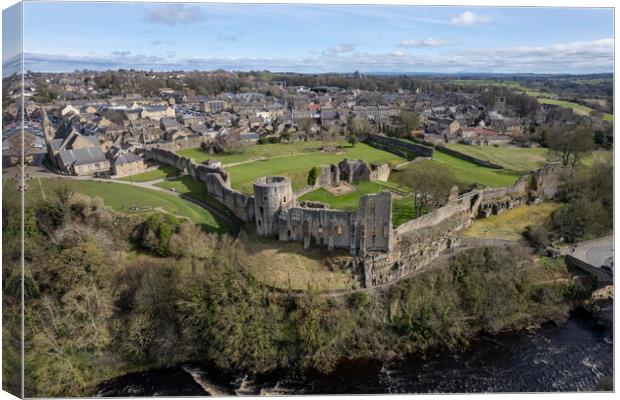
(431, 185)
(353, 140)
(358, 125)
(570, 143)
(410, 121)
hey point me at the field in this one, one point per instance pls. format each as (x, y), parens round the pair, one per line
(255, 152)
(510, 224)
(467, 173)
(288, 266)
(296, 167)
(128, 198)
(577, 108)
(195, 189)
(402, 206)
(162, 172)
(518, 159)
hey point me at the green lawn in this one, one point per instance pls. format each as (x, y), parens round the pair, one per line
(251, 151)
(124, 198)
(297, 167)
(163, 171)
(518, 159)
(467, 173)
(195, 189)
(510, 224)
(402, 208)
(577, 108)
(347, 201)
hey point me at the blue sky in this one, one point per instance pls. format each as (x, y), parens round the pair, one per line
(314, 38)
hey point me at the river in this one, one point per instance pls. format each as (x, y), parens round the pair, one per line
(573, 356)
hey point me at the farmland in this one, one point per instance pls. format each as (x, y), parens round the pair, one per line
(577, 108)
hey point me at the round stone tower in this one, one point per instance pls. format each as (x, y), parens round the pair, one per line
(270, 194)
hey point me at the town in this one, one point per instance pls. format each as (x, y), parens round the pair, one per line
(344, 186)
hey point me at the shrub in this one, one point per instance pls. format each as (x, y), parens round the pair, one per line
(313, 174)
(157, 231)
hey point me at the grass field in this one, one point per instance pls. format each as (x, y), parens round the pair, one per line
(255, 151)
(347, 201)
(288, 266)
(518, 159)
(467, 173)
(577, 108)
(163, 171)
(402, 207)
(123, 197)
(510, 224)
(195, 189)
(296, 167)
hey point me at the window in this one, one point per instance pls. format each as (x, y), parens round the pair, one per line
(339, 229)
(320, 228)
(261, 211)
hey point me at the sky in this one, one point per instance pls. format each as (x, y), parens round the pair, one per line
(316, 38)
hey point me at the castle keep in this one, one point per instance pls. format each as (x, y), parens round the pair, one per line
(379, 252)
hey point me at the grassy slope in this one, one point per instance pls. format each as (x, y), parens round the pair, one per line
(286, 265)
(577, 108)
(510, 224)
(297, 167)
(163, 171)
(194, 189)
(518, 159)
(467, 173)
(122, 197)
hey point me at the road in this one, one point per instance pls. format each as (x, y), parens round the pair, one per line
(595, 252)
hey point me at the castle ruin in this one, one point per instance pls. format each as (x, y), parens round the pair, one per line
(379, 252)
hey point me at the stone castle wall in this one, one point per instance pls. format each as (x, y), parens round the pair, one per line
(382, 253)
(400, 147)
(419, 241)
(216, 179)
(180, 144)
(369, 228)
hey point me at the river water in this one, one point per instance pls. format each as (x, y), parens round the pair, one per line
(573, 356)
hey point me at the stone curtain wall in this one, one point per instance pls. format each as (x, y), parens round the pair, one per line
(216, 179)
(466, 157)
(417, 242)
(181, 144)
(400, 147)
(383, 254)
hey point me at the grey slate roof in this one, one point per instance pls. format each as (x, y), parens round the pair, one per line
(126, 158)
(87, 155)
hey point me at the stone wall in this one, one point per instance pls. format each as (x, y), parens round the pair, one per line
(216, 179)
(463, 156)
(181, 144)
(417, 242)
(351, 171)
(367, 229)
(400, 147)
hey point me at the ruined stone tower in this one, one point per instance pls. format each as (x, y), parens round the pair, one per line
(271, 193)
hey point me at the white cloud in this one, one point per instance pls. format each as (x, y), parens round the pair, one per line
(428, 42)
(341, 49)
(574, 57)
(174, 14)
(469, 18)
